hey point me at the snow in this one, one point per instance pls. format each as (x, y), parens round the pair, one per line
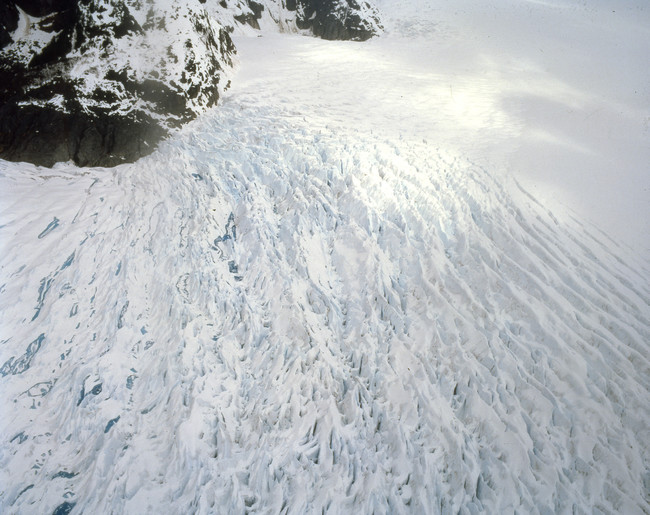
(566, 82)
(336, 291)
(32, 39)
(188, 39)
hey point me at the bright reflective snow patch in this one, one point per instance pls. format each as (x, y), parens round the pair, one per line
(560, 100)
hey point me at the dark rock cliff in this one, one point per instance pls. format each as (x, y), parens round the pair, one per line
(337, 19)
(100, 83)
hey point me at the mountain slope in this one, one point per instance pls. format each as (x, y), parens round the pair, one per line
(102, 82)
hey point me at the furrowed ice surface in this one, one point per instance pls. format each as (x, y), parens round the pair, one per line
(291, 306)
(312, 319)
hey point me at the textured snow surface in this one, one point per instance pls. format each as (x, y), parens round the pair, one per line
(554, 92)
(292, 306)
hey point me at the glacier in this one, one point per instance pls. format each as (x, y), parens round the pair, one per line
(330, 293)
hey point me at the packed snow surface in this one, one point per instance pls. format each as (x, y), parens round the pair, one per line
(330, 293)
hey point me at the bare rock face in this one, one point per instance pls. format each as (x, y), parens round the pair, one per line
(100, 82)
(356, 20)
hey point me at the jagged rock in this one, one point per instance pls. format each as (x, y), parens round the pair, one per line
(329, 19)
(45, 135)
(100, 82)
(252, 15)
(337, 19)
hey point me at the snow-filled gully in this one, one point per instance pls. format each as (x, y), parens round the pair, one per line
(266, 317)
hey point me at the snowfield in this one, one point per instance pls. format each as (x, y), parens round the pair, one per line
(344, 289)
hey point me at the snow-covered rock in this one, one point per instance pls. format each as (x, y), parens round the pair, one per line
(101, 82)
(337, 19)
(327, 19)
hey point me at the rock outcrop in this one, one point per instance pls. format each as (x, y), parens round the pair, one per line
(337, 19)
(356, 20)
(101, 82)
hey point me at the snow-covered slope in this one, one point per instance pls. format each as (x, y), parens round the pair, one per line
(552, 92)
(302, 303)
